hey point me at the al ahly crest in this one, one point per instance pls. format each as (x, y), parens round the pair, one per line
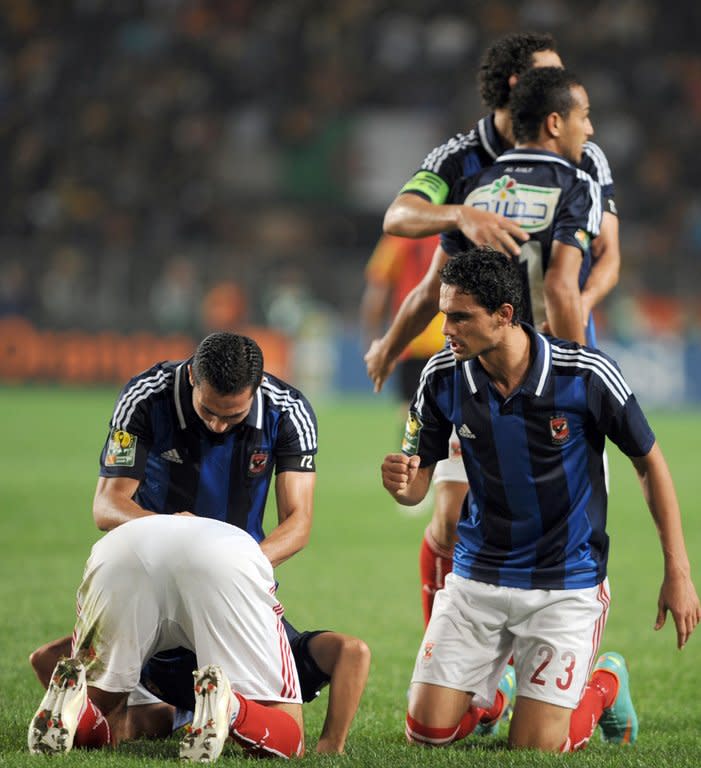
(559, 429)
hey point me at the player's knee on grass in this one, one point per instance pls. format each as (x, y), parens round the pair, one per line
(438, 715)
(539, 725)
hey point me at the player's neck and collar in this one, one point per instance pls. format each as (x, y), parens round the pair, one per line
(523, 366)
(495, 136)
(534, 152)
(503, 128)
(185, 411)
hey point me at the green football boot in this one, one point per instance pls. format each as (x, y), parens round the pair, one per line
(618, 723)
(507, 685)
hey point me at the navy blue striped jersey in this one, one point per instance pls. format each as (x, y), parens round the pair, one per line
(535, 514)
(157, 438)
(550, 199)
(466, 154)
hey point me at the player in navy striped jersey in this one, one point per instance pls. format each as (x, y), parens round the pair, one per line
(203, 437)
(533, 414)
(423, 205)
(538, 185)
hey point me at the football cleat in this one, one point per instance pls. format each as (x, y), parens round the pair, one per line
(215, 709)
(618, 723)
(54, 725)
(507, 685)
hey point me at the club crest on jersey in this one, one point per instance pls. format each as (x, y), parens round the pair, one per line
(258, 463)
(121, 449)
(559, 429)
(412, 432)
(428, 652)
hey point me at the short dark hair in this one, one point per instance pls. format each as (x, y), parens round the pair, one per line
(511, 55)
(488, 275)
(539, 93)
(229, 363)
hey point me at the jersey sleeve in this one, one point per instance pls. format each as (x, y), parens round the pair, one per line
(296, 443)
(441, 168)
(130, 437)
(596, 164)
(578, 217)
(427, 431)
(616, 410)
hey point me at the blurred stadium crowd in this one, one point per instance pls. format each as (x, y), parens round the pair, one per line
(178, 165)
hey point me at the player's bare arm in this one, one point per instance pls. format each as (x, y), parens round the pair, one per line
(373, 309)
(563, 301)
(410, 215)
(606, 265)
(346, 660)
(404, 479)
(678, 593)
(113, 503)
(294, 495)
(414, 314)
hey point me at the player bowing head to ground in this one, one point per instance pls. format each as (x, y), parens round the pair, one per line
(162, 582)
(529, 578)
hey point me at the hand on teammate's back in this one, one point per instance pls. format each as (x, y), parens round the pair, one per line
(486, 228)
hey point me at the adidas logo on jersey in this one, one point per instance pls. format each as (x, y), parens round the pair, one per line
(172, 455)
(466, 432)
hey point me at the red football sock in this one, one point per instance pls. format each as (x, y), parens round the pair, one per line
(435, 562)
(427, 736)
(599, 694)
(494, 712)
(266, 731)
(469, 722)
(93, 730)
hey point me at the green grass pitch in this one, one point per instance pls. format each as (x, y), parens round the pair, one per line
(358, 575)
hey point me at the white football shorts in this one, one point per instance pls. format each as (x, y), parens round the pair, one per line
(166, 581)
(553, 634)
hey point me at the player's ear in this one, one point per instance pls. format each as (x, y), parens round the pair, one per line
(513, 79)
(190, 376)
(505, 314)
(553, 124)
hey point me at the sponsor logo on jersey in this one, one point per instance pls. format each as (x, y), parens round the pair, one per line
(412, 433)
(258, 463)
(559, 429)
(172, 455)
(532, 207)
(466, 432)
(121, 449)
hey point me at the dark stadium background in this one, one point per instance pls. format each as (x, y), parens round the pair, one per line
(171, 167)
